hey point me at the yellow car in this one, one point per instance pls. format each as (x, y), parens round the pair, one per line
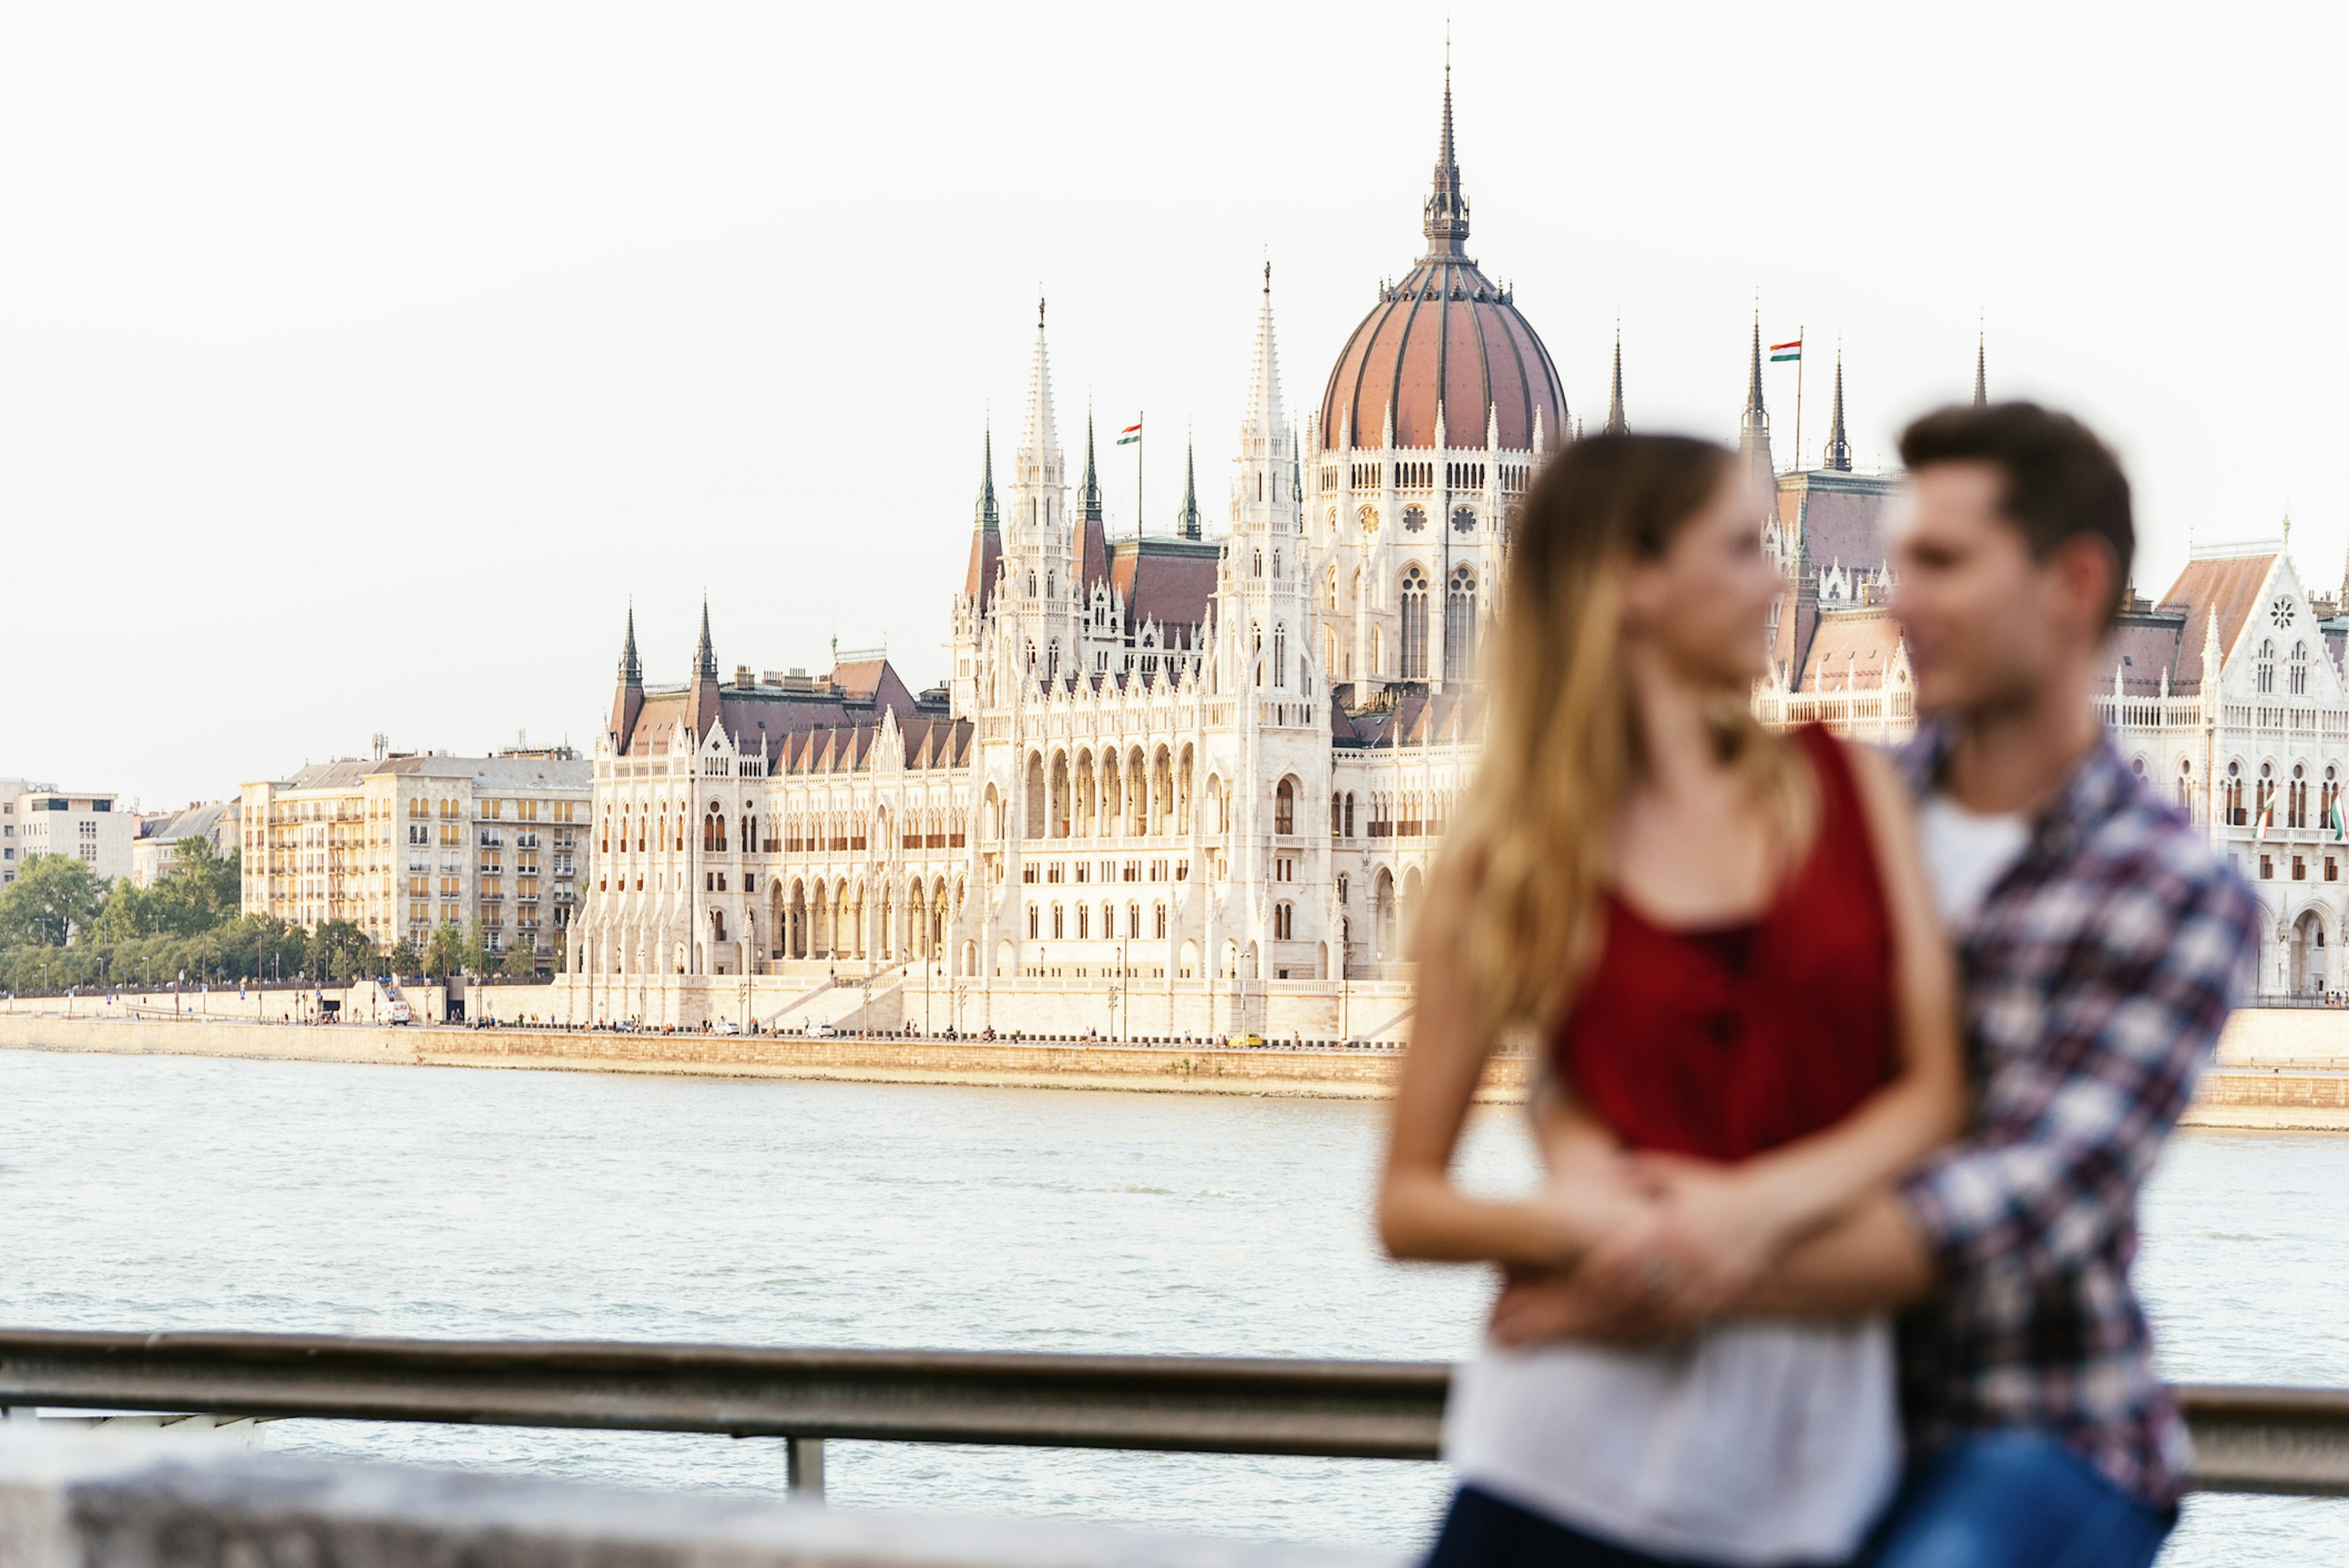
(1247, 1041)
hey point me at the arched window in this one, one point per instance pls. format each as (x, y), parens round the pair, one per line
(2232, 797)
(1460, 627)
(1414, 625)
(1284, 921)
(2266, 671)
(1085, 919)
(1050, 583)
(1056, 923)
(1255, 564)
(1032, 592)
(2296, 798)
(1031, 923)
(1279, 655)
(1162, 922)
(1284, 807)
(2300, 669)
(1349, 813)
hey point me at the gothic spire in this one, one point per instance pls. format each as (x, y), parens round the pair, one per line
(632, 670)
(1981, 382)
(1187, 520)
(1446, 225)
(1040, 441)
(1615, 425)
(1755, 425)
(705, 657)
(1093, 476)
(1839, 452)
(985, 516)
(1263, 420)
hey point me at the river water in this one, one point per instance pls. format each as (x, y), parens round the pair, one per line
(157, 1192)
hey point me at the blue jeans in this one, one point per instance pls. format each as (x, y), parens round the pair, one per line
(2014, 1498)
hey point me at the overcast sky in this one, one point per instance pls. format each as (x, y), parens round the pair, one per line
(357, 365)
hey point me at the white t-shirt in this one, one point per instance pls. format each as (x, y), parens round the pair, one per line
(1965, 854)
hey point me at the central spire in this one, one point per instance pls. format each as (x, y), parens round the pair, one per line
(1981, 380)
(1447, 208)
(632, 670)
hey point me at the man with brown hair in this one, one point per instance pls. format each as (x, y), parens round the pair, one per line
(2102, 943)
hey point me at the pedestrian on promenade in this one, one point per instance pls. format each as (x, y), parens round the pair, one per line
(2101, 941)
(1720, 941)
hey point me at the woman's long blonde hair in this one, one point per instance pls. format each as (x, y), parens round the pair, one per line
(1527, 860)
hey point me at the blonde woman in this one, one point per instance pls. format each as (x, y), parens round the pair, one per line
(1720, 941)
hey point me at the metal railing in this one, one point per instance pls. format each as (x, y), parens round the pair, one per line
(2290, 1441)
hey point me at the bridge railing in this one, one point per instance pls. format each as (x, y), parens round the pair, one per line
(2293, 1441)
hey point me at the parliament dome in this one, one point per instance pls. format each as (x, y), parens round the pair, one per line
(1445, 337)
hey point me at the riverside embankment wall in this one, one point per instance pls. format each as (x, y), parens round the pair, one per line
(1327, 1074)
(2280, 1068)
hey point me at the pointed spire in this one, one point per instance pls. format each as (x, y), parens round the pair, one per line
(705, 658)
(1188, 520)
(1446, 224)
(632, 669)
(1755, 425)
(1093, 476)
(986, 515)
(1615, 425)
(1263, 419)
(1981, 382)
(1040, 440)
(1839, 453)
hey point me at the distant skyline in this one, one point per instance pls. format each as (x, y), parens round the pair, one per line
(356, 370)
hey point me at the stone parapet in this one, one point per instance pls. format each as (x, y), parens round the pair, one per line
(100, 1502)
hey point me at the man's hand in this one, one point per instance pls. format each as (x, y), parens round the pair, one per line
(1535, 1308)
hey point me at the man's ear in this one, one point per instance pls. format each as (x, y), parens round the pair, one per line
(2086, 583)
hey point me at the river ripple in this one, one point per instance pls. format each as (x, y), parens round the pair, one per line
(171, 1192)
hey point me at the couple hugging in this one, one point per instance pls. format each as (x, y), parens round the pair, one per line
(1827, 1036)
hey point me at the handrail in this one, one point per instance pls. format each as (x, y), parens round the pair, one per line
(2293, 1441)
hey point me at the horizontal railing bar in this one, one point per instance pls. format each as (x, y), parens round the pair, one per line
(2247, 1439)
(1190, 1404)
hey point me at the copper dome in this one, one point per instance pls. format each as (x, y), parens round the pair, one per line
(1446, 337)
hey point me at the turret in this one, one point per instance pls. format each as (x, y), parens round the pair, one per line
(629, 699)
(1615, 425)
(1839, 453)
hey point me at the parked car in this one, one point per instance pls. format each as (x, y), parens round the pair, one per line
(1248, 1041)
(400, 1013)
(726, 1026)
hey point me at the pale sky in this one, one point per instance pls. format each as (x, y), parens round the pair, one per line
(355, 366)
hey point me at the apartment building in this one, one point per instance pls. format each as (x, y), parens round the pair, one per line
(160, 832)
(400, 845)
(43, 820)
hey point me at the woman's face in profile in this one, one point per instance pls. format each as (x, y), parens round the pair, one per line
(1705, 604)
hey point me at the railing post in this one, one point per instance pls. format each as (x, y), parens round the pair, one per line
(804, 1468)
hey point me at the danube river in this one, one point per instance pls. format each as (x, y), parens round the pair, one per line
(167, 1192)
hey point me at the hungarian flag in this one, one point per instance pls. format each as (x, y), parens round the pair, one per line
(1130, 435)
(1779, 351)
(2336, 822)
(2267, 819)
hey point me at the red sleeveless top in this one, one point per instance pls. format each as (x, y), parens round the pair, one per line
(1722, 1043)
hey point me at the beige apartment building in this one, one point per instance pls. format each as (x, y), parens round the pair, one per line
(400, 845)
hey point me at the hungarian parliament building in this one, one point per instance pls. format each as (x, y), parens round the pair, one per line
(1187, 784)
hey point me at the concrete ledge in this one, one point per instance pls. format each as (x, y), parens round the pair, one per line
(88, 1502)
(1179, 1069)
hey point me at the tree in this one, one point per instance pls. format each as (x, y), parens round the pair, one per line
(404, 959)
(522, 959)
(53, 897)
(340, 951)
(445, 953)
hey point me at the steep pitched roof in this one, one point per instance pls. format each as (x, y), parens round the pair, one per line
(2231, 588)
(1169, 581)
(1850, 651)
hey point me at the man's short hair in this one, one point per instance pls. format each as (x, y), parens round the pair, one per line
(2061, 481)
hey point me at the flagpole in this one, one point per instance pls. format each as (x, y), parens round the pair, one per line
(1800, 334)
(1138, 433)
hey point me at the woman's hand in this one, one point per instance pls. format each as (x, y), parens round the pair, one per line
(1712, 1231)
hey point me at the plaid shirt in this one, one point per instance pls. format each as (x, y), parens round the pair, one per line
(2097, 974)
